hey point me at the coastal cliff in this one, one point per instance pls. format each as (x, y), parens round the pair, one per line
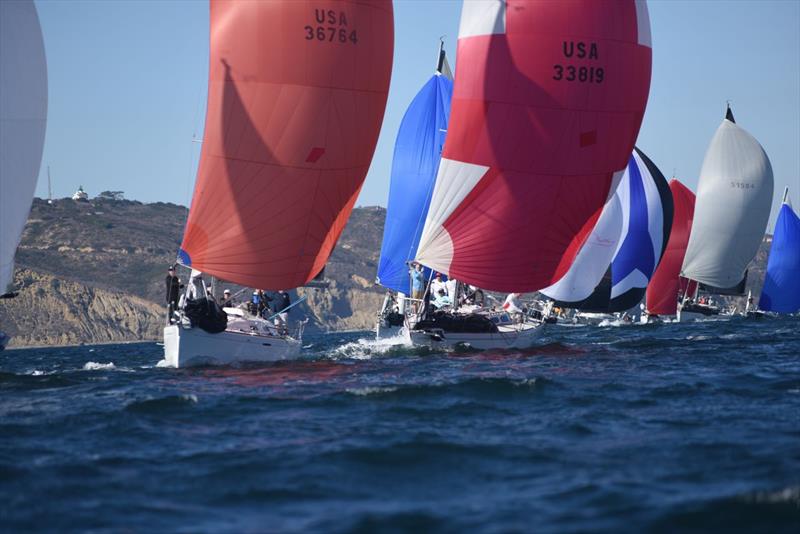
(94, 272)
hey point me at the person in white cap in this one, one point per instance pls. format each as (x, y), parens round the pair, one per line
(226, 299)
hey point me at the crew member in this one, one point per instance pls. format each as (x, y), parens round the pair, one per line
(437, 284)
(442, 299)
(280, 303)
(417, 285)
(173, 285)
(513, 306)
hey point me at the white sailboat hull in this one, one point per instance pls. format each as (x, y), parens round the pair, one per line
(506, 338)
(646, 318)
(686, 316)
(188, 347)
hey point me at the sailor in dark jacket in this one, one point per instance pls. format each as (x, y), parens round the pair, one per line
(280, 302)
(173, 286)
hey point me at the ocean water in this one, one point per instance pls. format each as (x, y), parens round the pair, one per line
(664, 428)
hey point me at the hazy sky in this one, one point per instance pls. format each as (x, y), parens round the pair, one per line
(127, 84)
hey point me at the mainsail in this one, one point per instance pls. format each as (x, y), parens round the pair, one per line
(615, 264)
(547, 104)
(417, 152)
(781, 292)
(666, 284)
(734, 195)
(23, 118)
(296, 97)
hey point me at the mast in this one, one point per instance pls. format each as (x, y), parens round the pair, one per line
(440, 56)
(49, 187)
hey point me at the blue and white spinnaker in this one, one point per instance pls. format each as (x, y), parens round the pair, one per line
(620, 255)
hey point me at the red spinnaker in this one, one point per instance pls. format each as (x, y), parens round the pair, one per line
(547, 104)
(297, 92)
(666, 284)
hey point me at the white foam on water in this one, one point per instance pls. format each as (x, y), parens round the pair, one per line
(94, 366)
(789, 494)
(162, 363)
(365, 349)
(614, 323)
(698, 338)
(363, 392)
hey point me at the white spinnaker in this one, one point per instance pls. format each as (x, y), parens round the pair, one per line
(732, 208)
(23, 115)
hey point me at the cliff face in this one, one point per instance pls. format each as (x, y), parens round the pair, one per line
(54, 311)
(79, 259)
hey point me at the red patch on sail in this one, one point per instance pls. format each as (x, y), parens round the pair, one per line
(315, 154)
(588, 138)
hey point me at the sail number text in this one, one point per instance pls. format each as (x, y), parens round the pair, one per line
(742, 185)
(330, 26)
(584, 74)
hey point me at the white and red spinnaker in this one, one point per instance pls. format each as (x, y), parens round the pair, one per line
(547, 104)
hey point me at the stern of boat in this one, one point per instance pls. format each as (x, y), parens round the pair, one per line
(172, 342)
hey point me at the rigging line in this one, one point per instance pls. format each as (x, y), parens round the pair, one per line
(193, 167)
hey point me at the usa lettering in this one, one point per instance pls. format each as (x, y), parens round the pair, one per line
(580, 50)
(331, 17)
(575, 50)
(330, 26)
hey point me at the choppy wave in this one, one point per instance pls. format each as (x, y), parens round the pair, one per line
(95, 366)
(365, 349)
(161, 404)
(478, 387)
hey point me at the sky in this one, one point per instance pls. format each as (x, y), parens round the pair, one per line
(127, 89)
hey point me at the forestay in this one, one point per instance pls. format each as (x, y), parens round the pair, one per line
(615, 264)
(781, 292)
(23, 118)
(734, 195)
(297, 92)
(547, 104)
(417, 152)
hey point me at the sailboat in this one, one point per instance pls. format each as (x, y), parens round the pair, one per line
(661, 298)
(734, 197)
(417, 151)
(613, 268)
(547, 103)
(295, 103)
(781, 291)
(23, 120)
